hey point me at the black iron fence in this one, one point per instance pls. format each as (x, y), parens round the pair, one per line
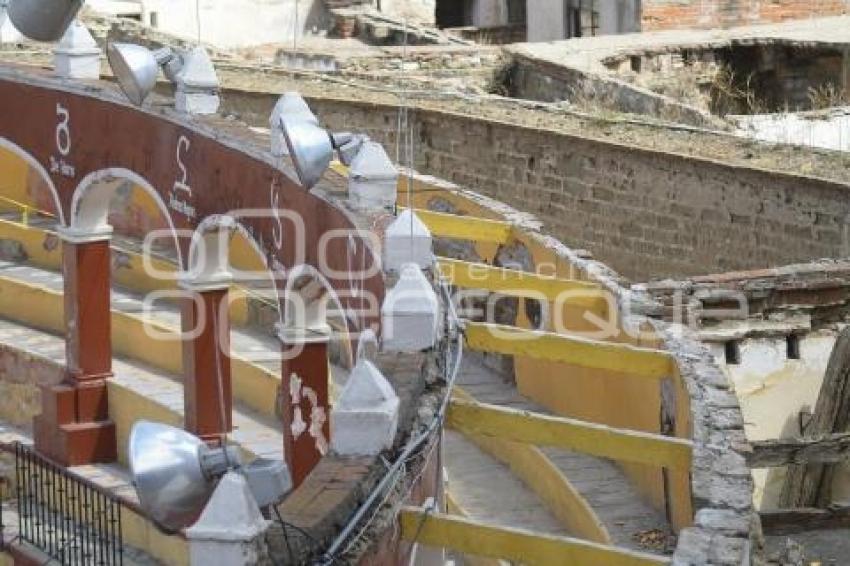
(65, 517)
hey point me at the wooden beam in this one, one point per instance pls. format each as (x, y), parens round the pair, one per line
(792, 521)
(588, 438)
(465, 227)
(517, 545)
(543, 477)
(522, 283)
(810, 485)
(830, 448)
(582, 352)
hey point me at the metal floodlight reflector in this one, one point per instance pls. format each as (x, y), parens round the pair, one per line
(175, 473)
(312, 148)
(136, 68)
(43, 20)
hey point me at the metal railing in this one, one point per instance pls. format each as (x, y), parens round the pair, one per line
(65, 517)
(26, 210)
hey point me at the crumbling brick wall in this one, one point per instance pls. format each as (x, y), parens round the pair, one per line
(706, 14)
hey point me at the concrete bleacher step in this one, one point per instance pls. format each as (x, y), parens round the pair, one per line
(255, 352)
(614, 499)
(258, 434)
(488, 491)
(249, 344)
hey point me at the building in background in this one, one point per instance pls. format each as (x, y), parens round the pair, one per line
(225, 23)
(552, 20)
(244, 23)
(709, 14)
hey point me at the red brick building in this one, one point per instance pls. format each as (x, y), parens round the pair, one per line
(706, 14)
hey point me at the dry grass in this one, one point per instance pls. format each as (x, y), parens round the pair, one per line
(827, 95)
(731, 94)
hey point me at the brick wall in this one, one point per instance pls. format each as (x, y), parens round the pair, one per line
(646, 213)
(678, 14)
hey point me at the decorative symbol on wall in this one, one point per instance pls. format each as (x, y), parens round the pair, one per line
(58, 165)
(181, 185)
(318, 415)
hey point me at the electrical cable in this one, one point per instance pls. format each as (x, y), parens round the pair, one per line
(220, 384)
(333, 551)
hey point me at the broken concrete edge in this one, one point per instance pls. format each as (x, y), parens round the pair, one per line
(727, 529)
(792, 299)
(630, 98)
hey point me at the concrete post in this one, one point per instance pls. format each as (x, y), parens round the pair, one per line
(373, 179)
(230, 530)
(74, 427)
(197, 84)
(365, 417)
(410, 313)
(407, 240)
(305, 400)
(207, 402)
(77, 56)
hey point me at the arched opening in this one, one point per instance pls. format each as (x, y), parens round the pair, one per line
(27, 192)
(224, 249)
(124, 203)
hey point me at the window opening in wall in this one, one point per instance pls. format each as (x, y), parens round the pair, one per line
(582, 18)
(453, 13)
(793, 346)
(154, 19)
(733, 352)
(517, 12)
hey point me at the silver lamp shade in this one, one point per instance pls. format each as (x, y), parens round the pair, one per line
(310, 147)
(165, 463)
(43, 20)
(136, 68)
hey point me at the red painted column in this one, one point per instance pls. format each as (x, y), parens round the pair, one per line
(74, 427)
(305, 400)
(206, 359)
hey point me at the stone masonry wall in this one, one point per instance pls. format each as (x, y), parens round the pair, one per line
(647, 214)
(680, 14)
